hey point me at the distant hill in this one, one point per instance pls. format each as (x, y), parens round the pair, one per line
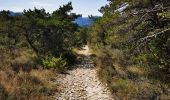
(14, 13)
(84, 21)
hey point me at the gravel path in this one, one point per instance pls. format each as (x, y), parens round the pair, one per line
(82, 82)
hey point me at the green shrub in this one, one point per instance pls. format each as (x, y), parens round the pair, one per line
(118, 56)
(120, 84)
(55, 62)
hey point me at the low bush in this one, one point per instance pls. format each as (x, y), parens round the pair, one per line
(57, 63)
(131, 82)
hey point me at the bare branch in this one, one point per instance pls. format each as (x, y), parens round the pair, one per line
(154, 10)
(153, 36)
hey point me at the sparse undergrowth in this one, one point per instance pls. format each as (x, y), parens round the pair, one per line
(22, 79)
(35, 85)
(131, 82)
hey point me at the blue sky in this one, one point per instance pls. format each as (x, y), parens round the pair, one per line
(84, 7)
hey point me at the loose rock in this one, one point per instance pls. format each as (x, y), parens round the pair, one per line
(82, 83)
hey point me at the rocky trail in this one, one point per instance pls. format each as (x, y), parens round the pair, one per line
(82, 83)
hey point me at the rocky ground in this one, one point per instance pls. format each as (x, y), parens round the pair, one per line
(82, 83)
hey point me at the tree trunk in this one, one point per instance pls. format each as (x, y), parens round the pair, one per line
(30, 43)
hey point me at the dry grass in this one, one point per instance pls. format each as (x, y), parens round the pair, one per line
(20, 81)
(36, 85)
(25, 55)
(136, 70)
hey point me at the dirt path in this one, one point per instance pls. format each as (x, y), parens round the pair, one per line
(82, 82)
